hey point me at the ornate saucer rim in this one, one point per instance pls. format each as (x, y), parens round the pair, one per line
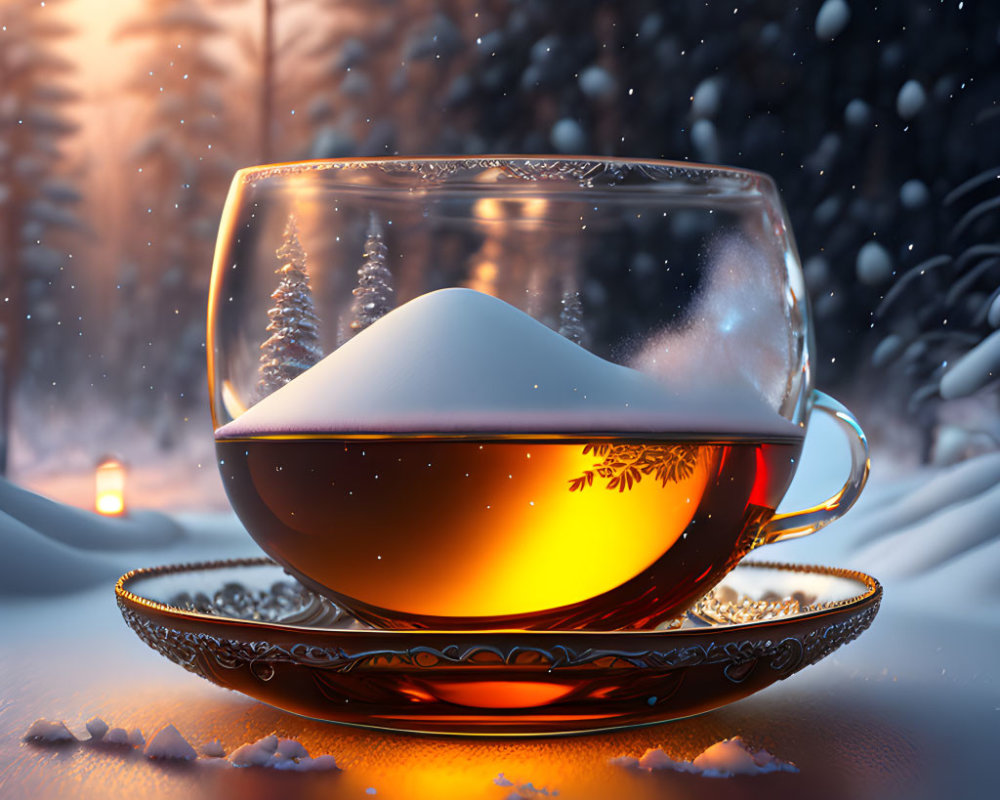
(872, 591)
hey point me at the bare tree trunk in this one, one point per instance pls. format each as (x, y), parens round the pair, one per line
(11, 322)
(4, 415)
(267, 82)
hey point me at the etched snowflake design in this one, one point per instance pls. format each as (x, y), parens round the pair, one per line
(623, 465)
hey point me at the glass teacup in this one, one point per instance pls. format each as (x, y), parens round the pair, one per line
(512, 392)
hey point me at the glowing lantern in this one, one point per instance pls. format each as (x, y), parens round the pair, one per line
(109, 479)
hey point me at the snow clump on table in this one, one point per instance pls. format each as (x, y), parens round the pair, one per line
(285, 754)
(214, 749)
(168, 744)
(524, 791)
(97, 728)
(48, 731)
(118, 736)
(723, 759)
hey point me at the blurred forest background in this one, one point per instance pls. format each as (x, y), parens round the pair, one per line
(122, 122)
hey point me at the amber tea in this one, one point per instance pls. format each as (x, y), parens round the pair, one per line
(502, 532)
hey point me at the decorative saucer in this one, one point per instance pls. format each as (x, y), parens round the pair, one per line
(248, 626)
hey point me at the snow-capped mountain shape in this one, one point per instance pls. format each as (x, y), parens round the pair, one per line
(457, 360)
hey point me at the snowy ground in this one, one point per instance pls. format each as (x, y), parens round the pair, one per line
(912, 709)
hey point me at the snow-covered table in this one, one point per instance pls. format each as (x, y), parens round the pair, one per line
(912, 709)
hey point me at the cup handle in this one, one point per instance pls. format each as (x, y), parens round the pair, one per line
(801, 523)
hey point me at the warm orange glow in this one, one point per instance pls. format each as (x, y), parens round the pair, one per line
(110, 504)
(534, 208)
(109, 479)
(567, 546)
(484, 278)
(488, 208)
(528, 210)
(502, 694)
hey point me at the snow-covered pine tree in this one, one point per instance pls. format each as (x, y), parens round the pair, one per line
(571, 318)
(939, 323)
(391, 62)
(36, 193)
(181, 165)
(293, 345)
(374, 296)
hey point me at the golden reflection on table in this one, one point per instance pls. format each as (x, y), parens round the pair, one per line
(848, 754)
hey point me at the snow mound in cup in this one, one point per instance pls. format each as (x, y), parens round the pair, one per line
(459, 361)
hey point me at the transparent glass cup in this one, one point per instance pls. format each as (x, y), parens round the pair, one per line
(512, 392)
